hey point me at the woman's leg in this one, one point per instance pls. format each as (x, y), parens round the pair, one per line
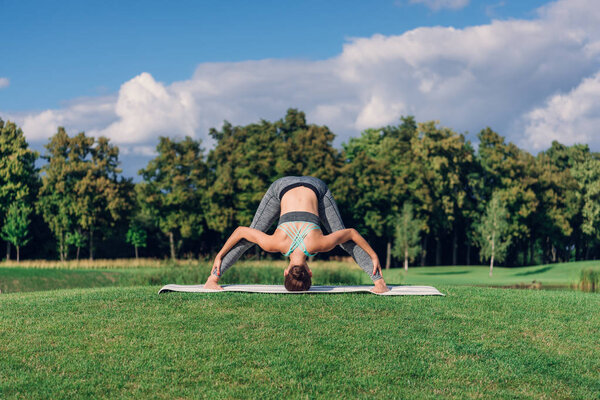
(332, 221)
(266, 214)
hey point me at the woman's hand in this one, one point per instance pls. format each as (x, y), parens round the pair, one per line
(217, 265)
(376, 266)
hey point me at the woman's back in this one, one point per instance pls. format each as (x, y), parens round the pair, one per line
(299, 199)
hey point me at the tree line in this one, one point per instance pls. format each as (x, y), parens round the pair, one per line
(418, 192)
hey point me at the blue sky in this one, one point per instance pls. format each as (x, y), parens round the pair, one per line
(136, 70)
(60, 50)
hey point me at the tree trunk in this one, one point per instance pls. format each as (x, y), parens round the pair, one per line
(454, 246)
(78, 253)
(7, 251)
(136, 252)
(493, 249)
(587, 252)
(531, 250)
(172, 244)
(61, 247)
(17, 253)
(468, 253)
(388, 256)
(406, 259)
(91, 244)
(553, 250)
(438, 251)
(424, 251)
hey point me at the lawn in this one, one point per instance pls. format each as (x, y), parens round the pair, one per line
(132, 343)
(32, 276)
(551, 275)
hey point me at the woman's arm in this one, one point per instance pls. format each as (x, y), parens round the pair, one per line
(342, 236)
(266, 242)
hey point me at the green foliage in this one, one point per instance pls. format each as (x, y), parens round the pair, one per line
(16, 224)
(136, 236)
(19, 181)
(552, 199)
(377, 177)
(587, 174)
(80, 188)
(511, 172)
(247, 159)
(407, 244)
(18, 175)
(172, 193)
(493, 231)
(75, 238)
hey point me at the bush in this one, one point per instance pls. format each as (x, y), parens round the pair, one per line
(590, 280)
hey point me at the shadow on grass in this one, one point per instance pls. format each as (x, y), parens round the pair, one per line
(446, 273)
(535, 271)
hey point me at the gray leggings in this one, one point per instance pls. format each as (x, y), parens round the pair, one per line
(268, 212)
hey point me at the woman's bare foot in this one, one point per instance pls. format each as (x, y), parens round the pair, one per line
(380, 287)
(211, 283)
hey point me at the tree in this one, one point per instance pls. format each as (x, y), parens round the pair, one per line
(81, 191)
(408, 231)
(77, 239)
(16, 227)
(492, 232)
(173, 189)
(442, 158)
(101, 195)
(512, 172)
(136, 236)
(56, 201)
(587, 174)
(376, 178)
(18, 175)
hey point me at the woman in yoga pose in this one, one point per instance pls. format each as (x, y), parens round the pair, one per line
(309, 223)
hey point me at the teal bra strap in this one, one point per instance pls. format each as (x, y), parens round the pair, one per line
(297, 235)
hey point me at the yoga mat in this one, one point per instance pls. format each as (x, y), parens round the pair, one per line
(280, 289)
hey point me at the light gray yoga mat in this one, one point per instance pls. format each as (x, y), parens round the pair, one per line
(280, 289)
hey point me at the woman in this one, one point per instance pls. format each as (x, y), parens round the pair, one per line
(309, 223)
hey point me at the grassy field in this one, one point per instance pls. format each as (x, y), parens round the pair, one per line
(32, 276)
(133, 343)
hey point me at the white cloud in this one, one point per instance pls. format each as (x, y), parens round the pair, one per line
(146, 108)
(4, 82)
(571, 118)
(505, 74)
(436, 5)
(78, 115)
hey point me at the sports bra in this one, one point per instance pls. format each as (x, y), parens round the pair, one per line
(287, 223)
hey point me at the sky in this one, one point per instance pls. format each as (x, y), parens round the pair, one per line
(137, 70)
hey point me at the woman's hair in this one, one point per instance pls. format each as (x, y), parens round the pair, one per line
(297, 279)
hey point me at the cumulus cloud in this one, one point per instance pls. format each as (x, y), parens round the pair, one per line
(436, 5)
(512, 75)
(4, 82)
(86, 114)
(146, 108)
(573, 117)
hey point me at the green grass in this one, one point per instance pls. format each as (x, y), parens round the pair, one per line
(132, 343)
(560, 274)
(56, 275)
(16, 279)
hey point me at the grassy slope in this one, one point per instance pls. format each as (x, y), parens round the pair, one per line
(130, 342)
(17, 279)
(558, 274)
